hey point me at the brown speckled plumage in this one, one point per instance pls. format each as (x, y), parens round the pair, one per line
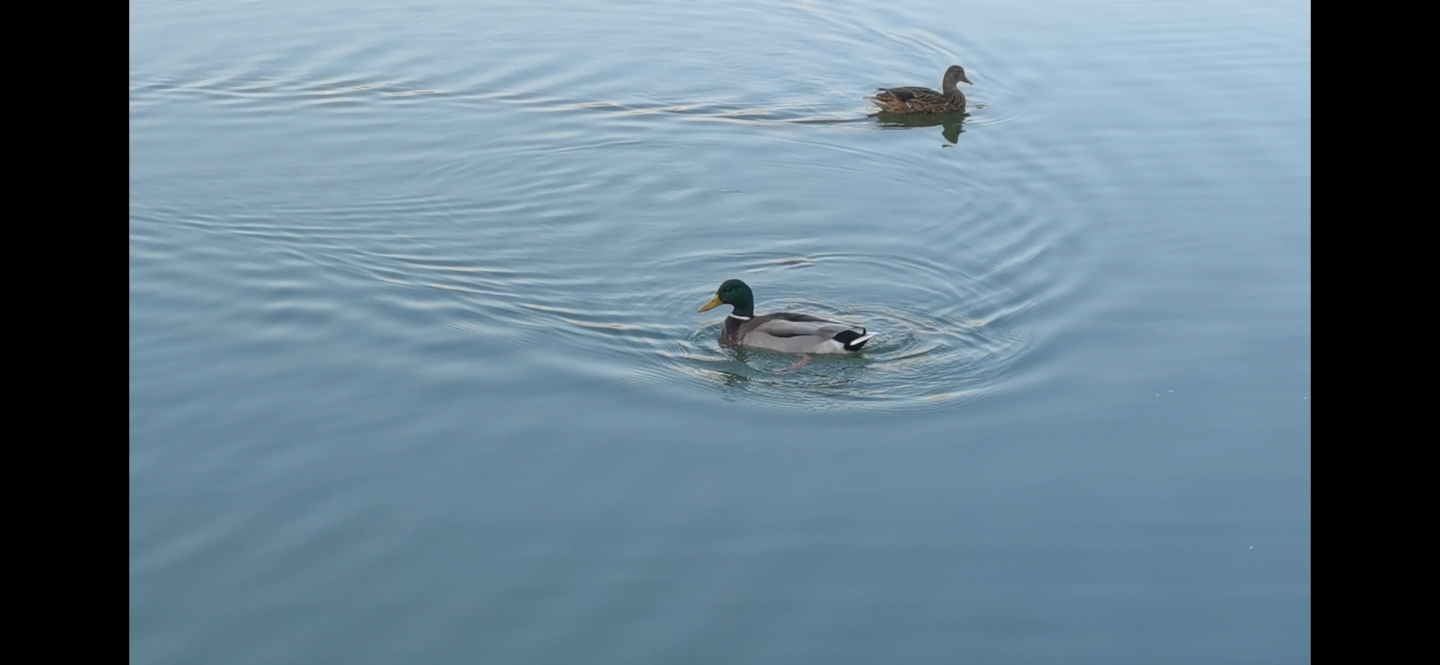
(915, 99)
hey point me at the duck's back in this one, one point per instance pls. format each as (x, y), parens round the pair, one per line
(915, 99)
(792, 332)
(909, 92)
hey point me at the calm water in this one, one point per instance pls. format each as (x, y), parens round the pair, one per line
(416, 373)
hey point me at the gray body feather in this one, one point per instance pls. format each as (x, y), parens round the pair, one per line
(790, 332)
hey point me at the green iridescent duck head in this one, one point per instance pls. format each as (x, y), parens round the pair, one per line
(735, 293)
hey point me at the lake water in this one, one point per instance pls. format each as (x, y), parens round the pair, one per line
(416, 371)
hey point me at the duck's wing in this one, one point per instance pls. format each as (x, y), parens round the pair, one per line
(791, 324)
(791, 332)
(907, 94)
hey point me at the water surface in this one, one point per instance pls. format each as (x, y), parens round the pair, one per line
(416, 372)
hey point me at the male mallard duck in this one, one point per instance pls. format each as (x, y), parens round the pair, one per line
(925, 100)
(782, 331)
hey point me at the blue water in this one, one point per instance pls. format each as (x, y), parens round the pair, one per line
(416, 371)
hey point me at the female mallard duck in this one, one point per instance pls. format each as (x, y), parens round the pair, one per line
(782, 331)
(925, 100)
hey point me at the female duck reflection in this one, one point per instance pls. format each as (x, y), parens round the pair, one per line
(951, 125)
